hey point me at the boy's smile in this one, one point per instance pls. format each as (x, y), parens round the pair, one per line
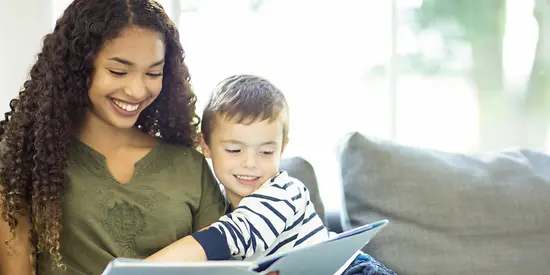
(244, 156)
(247, 180)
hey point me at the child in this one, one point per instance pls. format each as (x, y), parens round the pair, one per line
(244, 132)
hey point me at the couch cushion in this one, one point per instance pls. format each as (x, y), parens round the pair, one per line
(450, 213)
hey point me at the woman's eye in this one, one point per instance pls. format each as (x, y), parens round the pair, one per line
(232, 151)
(154, 75)
(118, 73)
(267, 152)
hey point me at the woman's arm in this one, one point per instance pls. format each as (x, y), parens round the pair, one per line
(211, 207)
(15, 256)
(212, 202)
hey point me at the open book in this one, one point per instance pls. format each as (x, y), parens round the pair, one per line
(323, 258)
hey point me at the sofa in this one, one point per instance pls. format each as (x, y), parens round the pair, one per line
(449, 213)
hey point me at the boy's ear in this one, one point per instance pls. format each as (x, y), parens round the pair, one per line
(204, 146)
(285, 142)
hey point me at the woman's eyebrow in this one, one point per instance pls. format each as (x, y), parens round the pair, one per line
(132, 64)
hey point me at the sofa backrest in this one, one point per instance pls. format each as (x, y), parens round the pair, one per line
(449, 213)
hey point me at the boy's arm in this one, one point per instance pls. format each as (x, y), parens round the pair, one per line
(184, 249)
(252, 227)
(255, 224)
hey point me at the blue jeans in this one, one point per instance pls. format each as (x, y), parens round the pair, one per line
(364, 264)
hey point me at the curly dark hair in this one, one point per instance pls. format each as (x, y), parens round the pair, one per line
(36, 133)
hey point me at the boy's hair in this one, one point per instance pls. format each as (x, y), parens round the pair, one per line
(246, 98)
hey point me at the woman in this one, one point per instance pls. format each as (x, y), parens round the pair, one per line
(97, 158)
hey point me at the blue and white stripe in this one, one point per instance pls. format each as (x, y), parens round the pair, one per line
(279, 216)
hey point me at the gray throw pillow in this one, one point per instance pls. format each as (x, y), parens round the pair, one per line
(450, 213)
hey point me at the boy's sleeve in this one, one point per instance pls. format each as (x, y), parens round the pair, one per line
(254, 225)
(212, 202)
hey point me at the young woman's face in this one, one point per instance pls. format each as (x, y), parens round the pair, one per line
(127, 76)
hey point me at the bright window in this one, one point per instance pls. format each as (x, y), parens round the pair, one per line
(462, 76)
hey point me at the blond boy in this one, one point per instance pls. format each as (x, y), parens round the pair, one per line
(244, 132)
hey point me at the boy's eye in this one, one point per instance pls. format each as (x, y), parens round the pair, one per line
(267, 152)
(232, 151)
(117, 73)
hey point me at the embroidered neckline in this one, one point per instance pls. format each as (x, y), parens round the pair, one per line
(96, 163)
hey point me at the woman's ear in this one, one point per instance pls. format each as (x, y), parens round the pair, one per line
(204, 146)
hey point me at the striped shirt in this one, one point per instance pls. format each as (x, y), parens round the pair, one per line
(277, 217)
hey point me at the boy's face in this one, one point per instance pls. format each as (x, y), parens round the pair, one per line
(244, 156)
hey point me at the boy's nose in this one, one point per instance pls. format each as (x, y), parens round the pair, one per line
(250, 160)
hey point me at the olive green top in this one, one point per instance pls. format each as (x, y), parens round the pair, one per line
(171, 195)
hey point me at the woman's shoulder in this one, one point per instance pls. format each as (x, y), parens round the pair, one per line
(181, 153)
(183, 160)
